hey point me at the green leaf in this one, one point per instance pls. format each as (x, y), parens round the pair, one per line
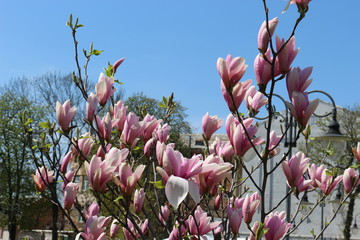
(34, 147)
(29, 120)
(328, 172)
(96, 52)
(30, 130)
(79, 25)
(117, 81)
(157, 184)
(118, 198)
(45, 124)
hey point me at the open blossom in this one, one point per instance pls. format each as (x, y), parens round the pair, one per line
(208, 181)
(328, 182)
(222, 149)
(84, 144)
(297, 80)
(200, 224)
(238, 135)
(264, 36)
(356, 152)
(126, 179)
(91, 105)
(301, 108)
(276, 225)
(350, 178)
(254, 100)
(163, 132)
(209, 125)
(64, 114)
(287, 54)
(315, 173)
(249, 206)
(95, 228)
(104, 88)
(151, 125)
(231, 70)
(133, 128)
(294, 170)
(70, 192)
(238, 94)
(99, 173)
(42, 178)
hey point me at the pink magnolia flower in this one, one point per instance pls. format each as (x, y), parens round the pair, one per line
(164, 214)
(119, 113)
(104, 88)
(237, 135)
(65, 162)
(254, 230)
(163, 132)
(231, 70)
(199, 224)
(149, 146)
(294, 170)
(356, 152)
(301, 108)
(315, 174)
(297, 80)
(222, 149)
(105, 126)
(151, 125)
(126, 179)
(287, 54)
(235, 216)
(91, 105)
(93, 210)
(117, 64)
(301, 3)
(328, 182)
(84, 144)
(95, 228)
(208, 181)
(350, 178)
(70, 192)
(249, 206)
(217, 201)
(64, 114)
(238, 93)
(133, 128)
(263, 70)
(276, 225)
(99, 173)
(117, 156)
(114, 228)
(42, 178)
(209, 125)
(143, 227)
(274, 141)
(177, 232)
(264, 35)
(254, 100)
(139, 197)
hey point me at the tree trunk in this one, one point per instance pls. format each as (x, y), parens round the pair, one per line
(349, 215)
(55, 213)
(12, 229)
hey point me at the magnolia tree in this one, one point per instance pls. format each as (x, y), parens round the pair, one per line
(144, 188)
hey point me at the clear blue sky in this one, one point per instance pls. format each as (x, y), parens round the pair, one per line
(172, 46)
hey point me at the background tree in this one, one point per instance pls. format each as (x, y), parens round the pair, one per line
(140, 104)
(16, 186)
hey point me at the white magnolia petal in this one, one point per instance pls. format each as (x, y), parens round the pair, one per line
(194, 191)
(176, 190)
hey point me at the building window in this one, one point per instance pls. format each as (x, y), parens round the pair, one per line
(199, 143)
(85, 183)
